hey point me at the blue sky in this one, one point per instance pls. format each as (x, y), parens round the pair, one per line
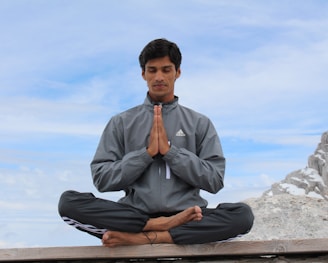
(258, 69)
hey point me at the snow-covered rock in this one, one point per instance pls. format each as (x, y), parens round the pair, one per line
(296, 207)
(312, 181)
(319, 160)
(304, 182)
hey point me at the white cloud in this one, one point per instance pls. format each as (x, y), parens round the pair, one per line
(266, 180)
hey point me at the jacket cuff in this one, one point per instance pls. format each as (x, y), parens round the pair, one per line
(146, 157)
(170, 155)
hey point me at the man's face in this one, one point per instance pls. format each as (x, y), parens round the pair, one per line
(160, 74)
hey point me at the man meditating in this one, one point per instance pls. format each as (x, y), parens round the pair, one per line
(161, 154)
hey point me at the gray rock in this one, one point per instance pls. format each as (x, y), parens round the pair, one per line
(296, 207)
(311, 181)
(286, 216)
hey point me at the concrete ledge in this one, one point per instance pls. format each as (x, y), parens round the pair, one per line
(231, 248)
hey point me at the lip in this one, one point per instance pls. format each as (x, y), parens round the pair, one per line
(161, 85)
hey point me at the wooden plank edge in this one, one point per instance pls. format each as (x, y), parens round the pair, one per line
(229, 248)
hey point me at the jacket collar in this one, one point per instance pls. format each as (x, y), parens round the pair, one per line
(171, 104)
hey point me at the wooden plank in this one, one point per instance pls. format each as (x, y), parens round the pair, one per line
(231, 248)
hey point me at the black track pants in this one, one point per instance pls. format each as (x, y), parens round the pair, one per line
(95, 216)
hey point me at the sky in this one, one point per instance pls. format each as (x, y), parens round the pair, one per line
(257, 69)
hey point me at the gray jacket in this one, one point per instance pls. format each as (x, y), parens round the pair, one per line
(164, 183)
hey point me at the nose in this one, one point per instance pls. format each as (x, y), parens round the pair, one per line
(159, 76)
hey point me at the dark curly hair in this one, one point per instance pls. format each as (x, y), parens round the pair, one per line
(159, 48)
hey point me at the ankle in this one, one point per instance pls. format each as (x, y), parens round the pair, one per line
(151, 236)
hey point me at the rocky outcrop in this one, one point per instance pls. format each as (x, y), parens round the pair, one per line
(312, 181)
(319, 160)
(296, 207)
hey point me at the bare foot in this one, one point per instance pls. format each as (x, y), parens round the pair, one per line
(155, 231)
(165, 223)
(115, 238)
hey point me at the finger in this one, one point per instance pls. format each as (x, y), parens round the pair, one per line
(157, 110)
(153, 137)
(162, 136)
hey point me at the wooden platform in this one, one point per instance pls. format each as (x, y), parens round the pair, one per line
(238, 251)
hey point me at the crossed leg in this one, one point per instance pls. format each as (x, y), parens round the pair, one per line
(155, 230)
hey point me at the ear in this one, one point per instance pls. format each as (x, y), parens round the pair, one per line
(177, 75)
(143, 75)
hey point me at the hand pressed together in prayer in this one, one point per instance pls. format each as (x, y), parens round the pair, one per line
(158, 142)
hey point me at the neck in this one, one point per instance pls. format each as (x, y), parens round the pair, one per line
(159, 101)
